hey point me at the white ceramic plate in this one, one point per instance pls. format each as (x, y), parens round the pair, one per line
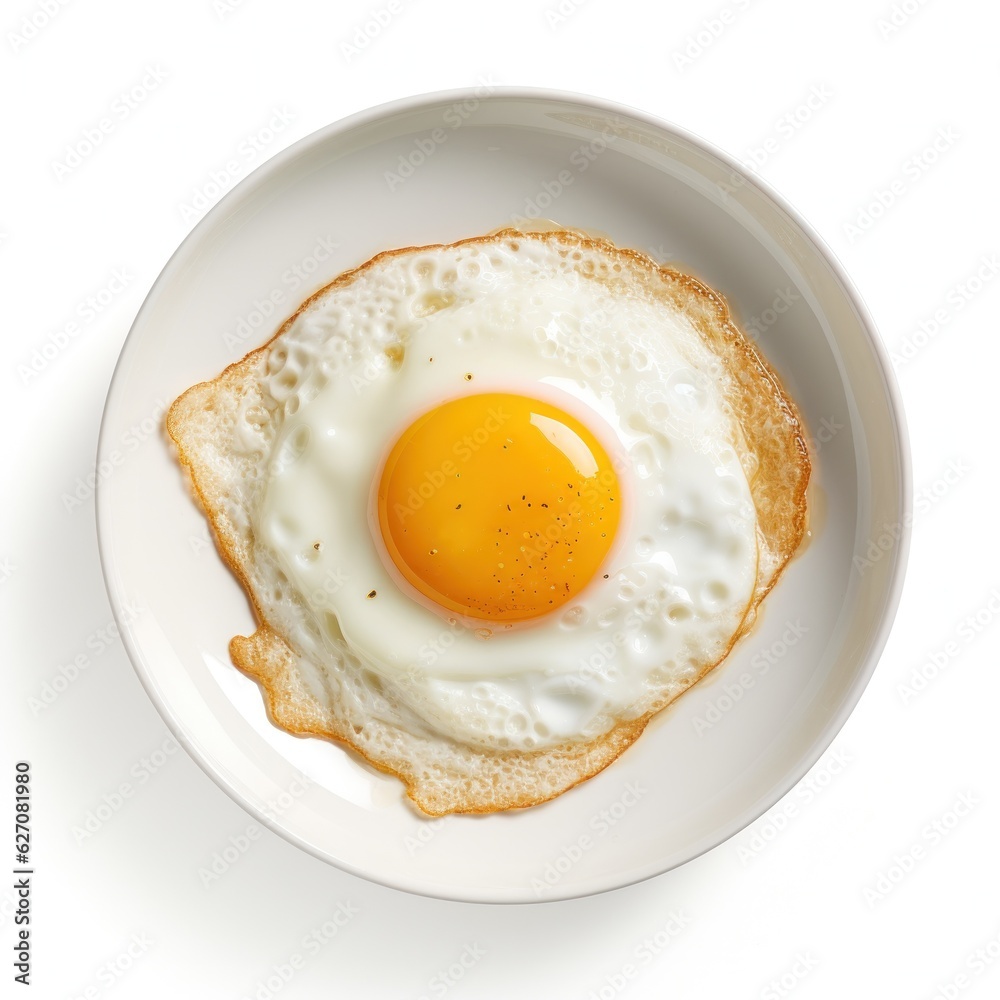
(436, 169)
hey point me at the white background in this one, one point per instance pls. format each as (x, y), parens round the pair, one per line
(813, 899)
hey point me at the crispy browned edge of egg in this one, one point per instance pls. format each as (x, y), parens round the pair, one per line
(743, 360)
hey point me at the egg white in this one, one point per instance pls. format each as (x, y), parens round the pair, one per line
(684, 567)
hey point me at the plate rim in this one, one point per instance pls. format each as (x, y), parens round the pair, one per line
(900, 554)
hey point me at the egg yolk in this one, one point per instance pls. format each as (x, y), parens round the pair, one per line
(498, 507)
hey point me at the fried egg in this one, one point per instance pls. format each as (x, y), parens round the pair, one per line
(496, 503)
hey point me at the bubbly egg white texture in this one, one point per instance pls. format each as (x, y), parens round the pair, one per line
(353, 371)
